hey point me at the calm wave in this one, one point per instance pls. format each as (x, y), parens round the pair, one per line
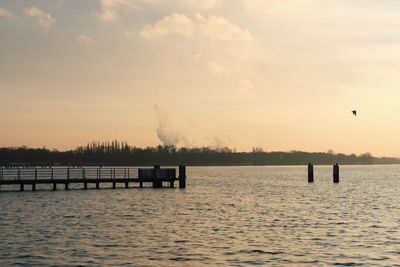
(235, 216)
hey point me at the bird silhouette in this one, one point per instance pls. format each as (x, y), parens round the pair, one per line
(354, 112)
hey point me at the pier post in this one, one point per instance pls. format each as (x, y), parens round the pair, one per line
(310, 173)
(33, 187)
(114, 185)
(336, 173)
(85, 185)
(97, 185)
(22, 187)
(141, 184)
(182, 176)
(66, 186)
(54, 187)
(156, 182)
(126, 185)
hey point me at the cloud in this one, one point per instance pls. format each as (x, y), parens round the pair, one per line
(245, 86)
(43, 19)
(172, 24)
(216, 68)
(4, 13)
(85, 40)
(212, 27)
(111, 10)
(219, 28)
(267, 6)
(203, 5)
(232, 76)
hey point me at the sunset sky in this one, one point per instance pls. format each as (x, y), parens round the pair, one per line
(281, 75)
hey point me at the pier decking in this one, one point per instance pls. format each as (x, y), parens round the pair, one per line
(65, 176)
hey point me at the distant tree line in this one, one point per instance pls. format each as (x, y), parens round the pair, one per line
(120, 153)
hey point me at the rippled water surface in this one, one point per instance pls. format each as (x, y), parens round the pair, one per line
(227, 216)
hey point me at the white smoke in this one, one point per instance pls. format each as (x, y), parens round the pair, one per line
(166, 130)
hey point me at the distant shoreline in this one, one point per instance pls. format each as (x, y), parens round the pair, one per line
(116, 153)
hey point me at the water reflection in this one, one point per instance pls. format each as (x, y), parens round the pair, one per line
(226, 216)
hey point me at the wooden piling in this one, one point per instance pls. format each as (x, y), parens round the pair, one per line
(336, 173)
(182, 176)
(33, 187)
(97, 185)
(85, 186)
(114, 185)
(66, 186)
(310, 173)
(22, 187)
(54, 187)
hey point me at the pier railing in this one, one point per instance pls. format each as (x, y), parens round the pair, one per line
(69, 173)
(91, 175)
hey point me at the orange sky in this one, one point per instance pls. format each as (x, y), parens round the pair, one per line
(281, 75)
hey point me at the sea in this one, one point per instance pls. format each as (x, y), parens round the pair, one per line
(226, 216)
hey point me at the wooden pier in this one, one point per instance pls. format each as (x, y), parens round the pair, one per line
(66, 176)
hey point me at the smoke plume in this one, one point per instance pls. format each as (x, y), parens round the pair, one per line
(166, 130)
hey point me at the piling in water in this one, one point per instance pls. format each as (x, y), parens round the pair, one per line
(336, 173)
(310, 173)
(182, 176)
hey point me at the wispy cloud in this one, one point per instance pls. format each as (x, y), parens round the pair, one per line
(203, 5)
(4, 13)
(216, 68)
(85, 40)
(110, 10)
(43, 19)
(232, 76)
(173, 24)
(211, 27)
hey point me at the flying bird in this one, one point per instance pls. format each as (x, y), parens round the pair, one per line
(354, 112)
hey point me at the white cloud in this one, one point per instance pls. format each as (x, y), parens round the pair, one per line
(85, 40)
(112, 10)
(245, 86)
(109, 9)
(232, 75)
(216, 68)
(219, 28)
(203, 5)
(4, 13)
(267, 6)
(173, 24)
(197, 57)
(212, 27)
(43, 19)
